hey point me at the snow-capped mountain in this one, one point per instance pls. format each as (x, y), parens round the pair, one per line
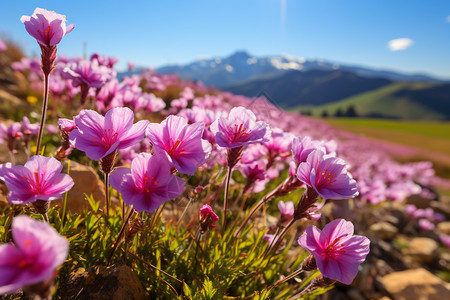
(241, 66)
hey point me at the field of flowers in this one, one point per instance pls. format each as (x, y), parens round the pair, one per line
(204, 195)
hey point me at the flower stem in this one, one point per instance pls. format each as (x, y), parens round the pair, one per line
(63, 217)
(277, 240)
(107, 194)
(119, 237)
(43, 114)
(257, 206)
(225, 198)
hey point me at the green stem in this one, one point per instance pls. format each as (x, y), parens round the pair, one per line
(277, 240)
(225, 198)
(63, 217)
(43, 114)
(119, 237)
(107, 194)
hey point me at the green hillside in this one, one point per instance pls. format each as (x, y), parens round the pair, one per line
(404, 100)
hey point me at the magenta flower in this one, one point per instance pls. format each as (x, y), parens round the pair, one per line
(286, 209)
(99, 136)
(29, 128)
(47, 27)
(39, 179)
(239, 129)
(445, 239)
(208, 219)
(328, 176)
(180, 142)
(37, 251)
(426, 225)
(86, 73)
(337, 252)
(148, 183)
(3, 46)
(302, 147)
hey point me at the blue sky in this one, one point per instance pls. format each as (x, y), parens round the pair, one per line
(155, 33)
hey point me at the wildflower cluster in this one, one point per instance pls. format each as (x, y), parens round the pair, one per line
(191, 151)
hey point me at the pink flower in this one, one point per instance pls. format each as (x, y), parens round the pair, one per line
(239, 129)
(47, 27)
(37, 251)
(99, 136)
(3, 46)
(445, 239)
(337, 252)
(208, 219)
(180, 142)
(426, 225)
(28, 128)
(301, 148)
(148, 183)
(328, 176)
(39, 179)
(86, 73)
(286, 209)
(268, 238)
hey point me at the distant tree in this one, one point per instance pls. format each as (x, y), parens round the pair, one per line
(351, 112)
(339, 113)
(307, 113)
(325, 114)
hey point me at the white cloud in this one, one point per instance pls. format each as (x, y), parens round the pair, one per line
(400, 44)
(448, 19)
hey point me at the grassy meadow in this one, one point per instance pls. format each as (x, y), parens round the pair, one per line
(430, 139)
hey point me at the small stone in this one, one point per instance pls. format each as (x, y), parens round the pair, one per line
(415, 284)
(419, 201)
(384, 230)
(422, 250)
(442, 207)
(383, 267)
(102, 282)
(392, 220)
(444, 227)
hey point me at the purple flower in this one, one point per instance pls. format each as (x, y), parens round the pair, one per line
(3, 133)
(3, 46)
(445, 239)
(66, 125)
(182, 143)
(28, 128)
(148, 183)
(104, 60)
(426, 225)
(47, 27)
(286, 209)
(39, 179)
(239, 129)
(337, 252)
(99, 136)
(328, 176)
(37, 251)
(86, 73)
(268, 237)
(301, 148)
(208, 219)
